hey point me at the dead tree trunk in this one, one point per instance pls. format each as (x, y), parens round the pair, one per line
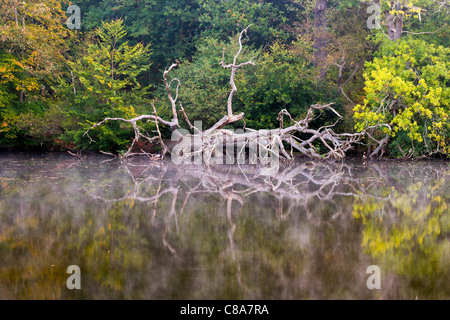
(320, 29)
(209, 142)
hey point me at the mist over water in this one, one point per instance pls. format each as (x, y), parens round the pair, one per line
(153, 230)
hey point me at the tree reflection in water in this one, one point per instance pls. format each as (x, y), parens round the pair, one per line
(142, 230)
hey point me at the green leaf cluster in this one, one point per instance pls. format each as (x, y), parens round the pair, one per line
(407, 87)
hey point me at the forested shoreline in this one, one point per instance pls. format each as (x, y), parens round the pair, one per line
(389, 81)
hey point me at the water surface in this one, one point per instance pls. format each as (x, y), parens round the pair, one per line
(152, 230)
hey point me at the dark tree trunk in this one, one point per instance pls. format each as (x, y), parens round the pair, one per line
(320, 43)
(395, 26)
(395, 23)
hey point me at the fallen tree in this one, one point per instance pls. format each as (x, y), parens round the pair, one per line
(207, 145)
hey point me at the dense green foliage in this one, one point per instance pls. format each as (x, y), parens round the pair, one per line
(32, 47)
(107, 85)
(55, 82)
(407, 86)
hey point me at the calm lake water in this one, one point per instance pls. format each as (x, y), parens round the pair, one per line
(153, 230)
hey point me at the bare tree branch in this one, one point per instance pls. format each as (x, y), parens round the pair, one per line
(234, 67)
